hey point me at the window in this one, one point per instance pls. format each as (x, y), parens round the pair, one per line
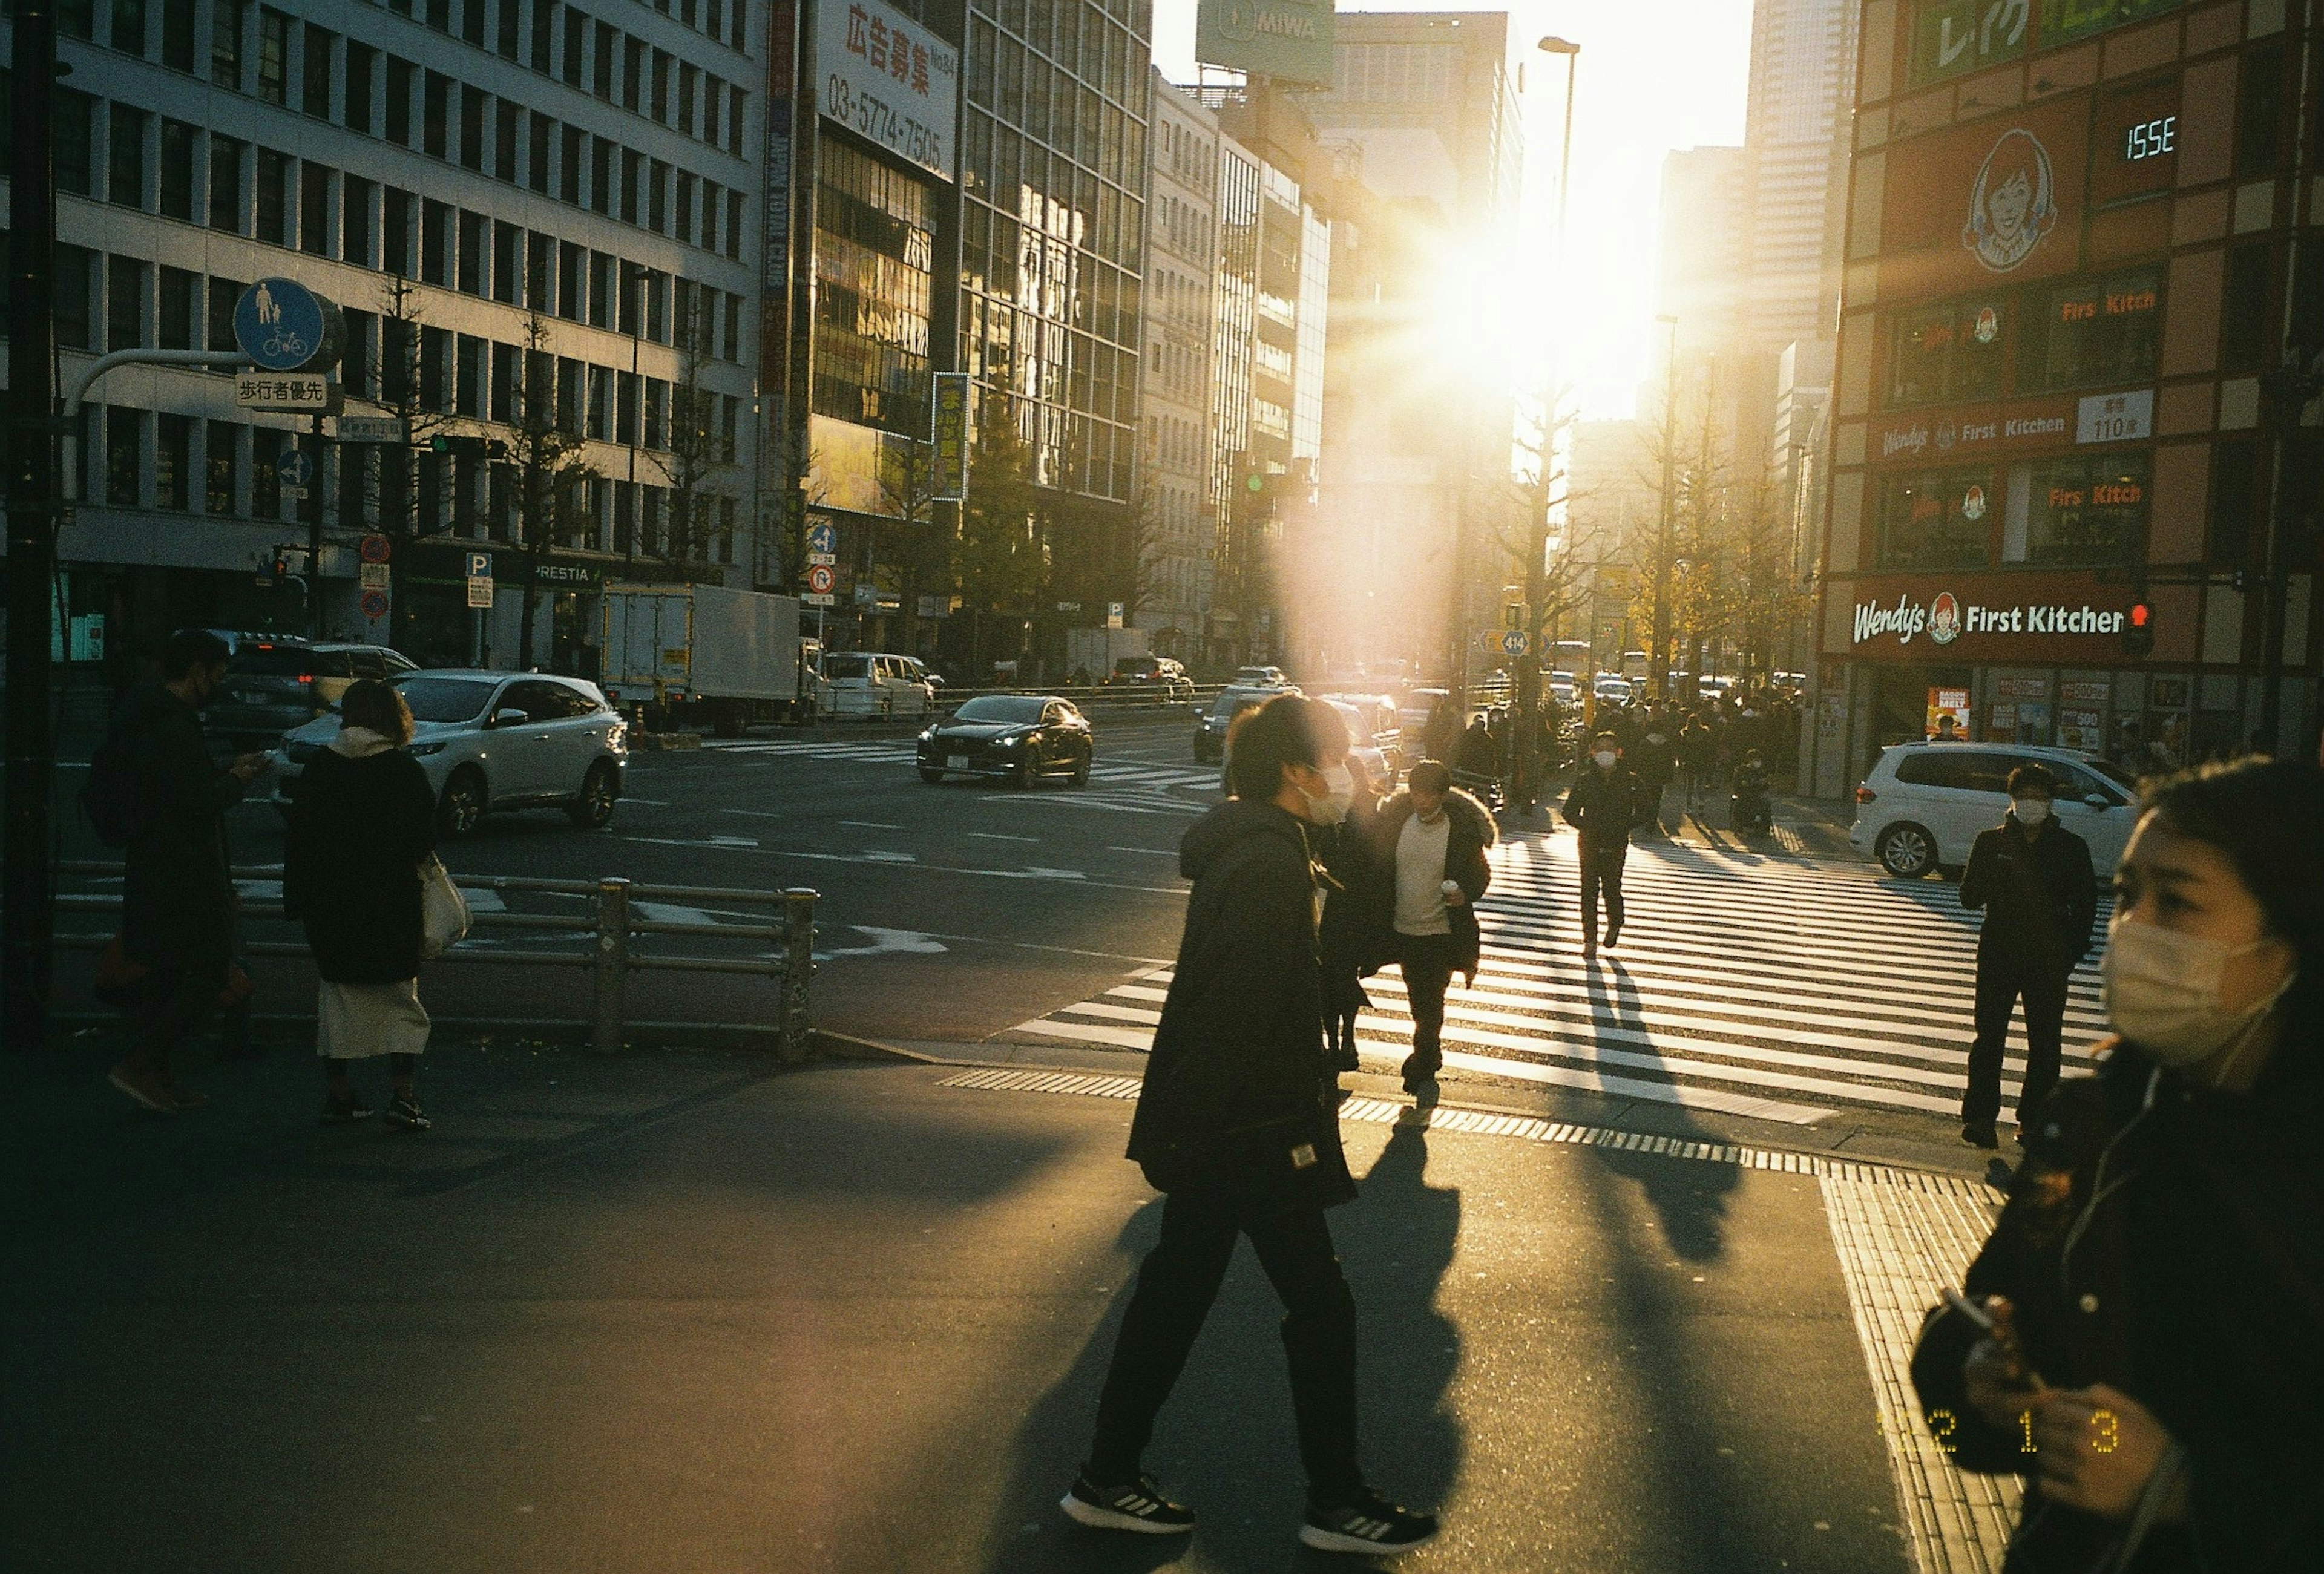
(225, 184)
(538, 153)
(733, 327)
(509, 38)
(435, 242)
(178, 309)
(470, 274)
(178, 169)
(657, 196)
(2096, 332)
(435, 115)
(1935, 519)
(2244, 320)
(357, 109)
(265, 488)
(2259, 110)
(735, 121)
(273, 185)
(355, 359)
(75, 266)
(472, 22)
(504, 374)
(398, 126)
(395, 231)
(125, 435)
(504, 140)
(570, 298)
(601, 404)
(601, 177)
(75, 161)
(224, 293)
(633, 72)
(2088, 511)
(399, 360)
(690, 79)
(576, 32)
(657, 425)
(225, 44)
(685, 206)
(468, 387)
(1949, 352)
(472, 127)
(625, 408)
(601, 290)
(173, 461)
(608, 40)
(568, 169)
(632, 177)
(435, 369)
(125, 303)
(274, 56)
(129, 26)
(178, 36)
(315, 85)
(544, 35)
(355, 222)
(124, 156)
(2235, 500)
(1961, 770)
(77, 18)
(508, 252)
(735, 224)
(660, 91)
(315, 209)
(221, 478)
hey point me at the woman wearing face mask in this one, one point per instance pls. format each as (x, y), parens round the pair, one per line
(2155, 1283)
(1237, 1124)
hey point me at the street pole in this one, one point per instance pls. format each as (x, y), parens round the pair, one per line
(315, 536)
(25, 932)
(1666, 527)
(2298, 378)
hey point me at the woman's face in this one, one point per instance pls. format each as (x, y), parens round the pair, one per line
(2174, 881)
(2008, 204)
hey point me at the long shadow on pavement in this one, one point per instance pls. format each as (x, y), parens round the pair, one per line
(1692, 1199)
(1225, 1444)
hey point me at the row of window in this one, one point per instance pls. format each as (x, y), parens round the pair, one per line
(2079, 512)
(1023, 179)
(157, 163)
(1104, 45)
(874, 266)
(263, 52)
(228, 470)
(719, 20)
(1055, 108)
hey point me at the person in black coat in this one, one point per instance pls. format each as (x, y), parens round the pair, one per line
(178, 900)
(1428, 845)
(363, 818)
(1603, 805)
(2156, 1282)
(2033, 880)
(1237, 1123)
(1350, 938)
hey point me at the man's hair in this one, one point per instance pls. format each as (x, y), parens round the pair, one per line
(379, 707)
(1431, 776)
(1606, 737)
(2033, 777)
(1287, 730)
(189, 649)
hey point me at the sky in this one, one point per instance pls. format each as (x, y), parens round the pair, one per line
(1653, 75)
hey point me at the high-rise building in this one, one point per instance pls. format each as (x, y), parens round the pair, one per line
(2081, 245)
(1801, 51)
(1179, 522)
(570, 193)
(1698, 276)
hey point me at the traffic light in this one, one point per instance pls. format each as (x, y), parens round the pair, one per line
(2138, 629)
(281, 571)
(468, 447)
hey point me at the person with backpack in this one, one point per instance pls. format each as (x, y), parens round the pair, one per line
(363, 820)
(1238, 1126)
(154, 791)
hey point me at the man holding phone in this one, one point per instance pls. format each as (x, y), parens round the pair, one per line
(1435, 837)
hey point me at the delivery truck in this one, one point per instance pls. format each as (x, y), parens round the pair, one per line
(704, 656)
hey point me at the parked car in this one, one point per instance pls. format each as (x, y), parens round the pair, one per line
(494, 741)
(1562, 685)
(1922, 805)
(1211, 725)
(1260, 678)
(1376, 738)
(275, 682)
(1152, 672)
(874, 683)
(1019, 736)
(1608, 687)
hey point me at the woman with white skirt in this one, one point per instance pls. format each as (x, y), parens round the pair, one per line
(363, 820)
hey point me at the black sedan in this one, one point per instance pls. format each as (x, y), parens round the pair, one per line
(1019, 736)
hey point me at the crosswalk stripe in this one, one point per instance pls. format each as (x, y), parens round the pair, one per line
(1759, 989)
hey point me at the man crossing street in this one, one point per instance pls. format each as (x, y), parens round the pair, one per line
(1603, 805)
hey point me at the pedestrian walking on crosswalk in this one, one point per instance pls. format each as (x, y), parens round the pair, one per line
(1604, 804)
(1433, 838)
(2033, 880)
(1237, 1125)
(1352, 940)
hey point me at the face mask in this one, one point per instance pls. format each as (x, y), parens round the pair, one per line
(2162, 990)
(1333, 807)
(2030, 811)
(1605, 758)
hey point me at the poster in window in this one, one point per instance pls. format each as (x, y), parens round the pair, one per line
(2081, 729)
(1948, 718)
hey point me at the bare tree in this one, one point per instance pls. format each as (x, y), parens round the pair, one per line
(551, 477)
(418, 410)
(698, 448)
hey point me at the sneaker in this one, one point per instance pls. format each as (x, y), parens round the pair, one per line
(1367, 1524)
(1613, 935)
(1983, 1135)
(148, 1091)
(405, 1112)
(335, 1113)
(1138, 1506)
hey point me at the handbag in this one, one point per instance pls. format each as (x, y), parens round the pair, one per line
(443, 912)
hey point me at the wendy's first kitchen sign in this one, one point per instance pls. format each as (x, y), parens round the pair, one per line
(2031, 617)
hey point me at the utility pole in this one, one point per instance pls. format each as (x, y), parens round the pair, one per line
(1665, 528)
(2299, 377)
(26, 929)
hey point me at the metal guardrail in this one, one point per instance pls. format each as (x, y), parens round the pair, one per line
(608, 955)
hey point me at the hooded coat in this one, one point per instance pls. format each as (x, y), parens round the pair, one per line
(361, 818)
(1238, 1096)
(178, 900)
(1474, 832)
(2193, 1282)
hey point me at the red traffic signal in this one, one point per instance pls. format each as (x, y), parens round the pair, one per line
(2138, 629)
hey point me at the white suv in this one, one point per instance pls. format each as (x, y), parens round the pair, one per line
(1923, 804)
(870, 683)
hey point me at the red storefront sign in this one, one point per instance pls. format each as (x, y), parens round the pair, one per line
(2064, 618)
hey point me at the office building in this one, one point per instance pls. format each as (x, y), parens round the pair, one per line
(2068, 264)
(1178, 487)
(568, 191)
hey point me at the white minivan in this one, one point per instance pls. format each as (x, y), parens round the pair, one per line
(1922, 805)
(872, 683)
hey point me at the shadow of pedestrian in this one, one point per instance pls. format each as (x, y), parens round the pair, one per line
(1225, 1445)
(1691, 1200)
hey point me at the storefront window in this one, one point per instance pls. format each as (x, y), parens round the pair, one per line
(2083, 510)
(1949, 352)
(2103, 330)
(1936, 520)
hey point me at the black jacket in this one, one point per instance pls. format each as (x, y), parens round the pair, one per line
(177, 896)
(351, 864)
(2040, 896)
(2196, 1287)
(1465, 865)
(1237, 1082)
(1604, 804)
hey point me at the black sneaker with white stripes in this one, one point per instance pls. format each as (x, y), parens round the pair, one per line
(1137, 1505)
(1368, 1523)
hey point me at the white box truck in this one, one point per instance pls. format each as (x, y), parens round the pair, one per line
(705, 654)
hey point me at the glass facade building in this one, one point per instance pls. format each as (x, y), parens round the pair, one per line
(1052, 176)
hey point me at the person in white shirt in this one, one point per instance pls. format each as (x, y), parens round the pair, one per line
(1435, 840)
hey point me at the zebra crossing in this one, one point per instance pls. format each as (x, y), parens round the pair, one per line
(1124, 785)
(1749, 986)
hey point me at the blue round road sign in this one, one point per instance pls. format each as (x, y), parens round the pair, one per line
(1514, 642)
(296, 468)
(281, 324)
(822, 537)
